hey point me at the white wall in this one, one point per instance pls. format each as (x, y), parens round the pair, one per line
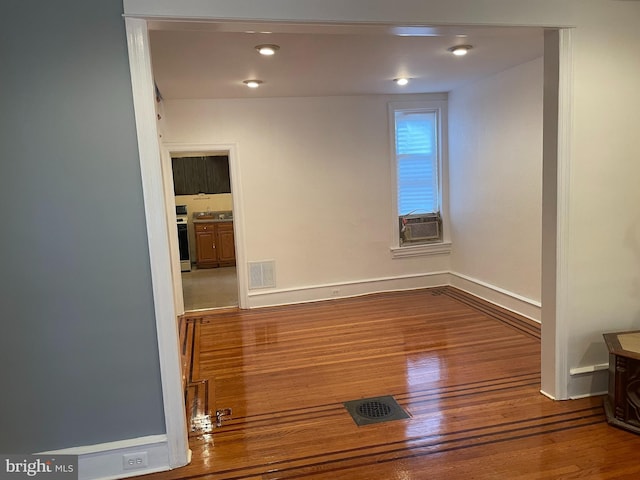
(495, 171)
(604, 211)
(315, 188)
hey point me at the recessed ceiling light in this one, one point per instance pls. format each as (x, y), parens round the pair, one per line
(401, 81)
(460, 50)
(252, 83)
(267, 49)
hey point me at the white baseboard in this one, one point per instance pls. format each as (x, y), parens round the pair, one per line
(588, 384)
(549, 396)
(329, 291)
(498, 296)
(588, 381)
(105, 461)
(503, 298)
(588, 369)
(588, 394)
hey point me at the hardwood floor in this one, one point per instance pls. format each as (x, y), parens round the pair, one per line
(467, 373)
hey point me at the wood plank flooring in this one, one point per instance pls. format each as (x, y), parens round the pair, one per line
(468, 374)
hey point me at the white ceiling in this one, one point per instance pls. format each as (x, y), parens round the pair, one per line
(210, 60)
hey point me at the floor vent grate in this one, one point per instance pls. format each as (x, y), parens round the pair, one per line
(375, 410)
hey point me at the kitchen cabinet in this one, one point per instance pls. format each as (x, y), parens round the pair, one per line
(206, 255)
(215, 245)
(225, 244)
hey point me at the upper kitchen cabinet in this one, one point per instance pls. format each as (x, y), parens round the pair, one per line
(194, 175)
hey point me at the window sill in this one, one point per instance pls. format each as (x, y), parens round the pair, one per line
(442, 248)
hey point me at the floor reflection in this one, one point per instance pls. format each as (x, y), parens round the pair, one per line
(423, 377)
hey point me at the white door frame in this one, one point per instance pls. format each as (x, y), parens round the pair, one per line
(168, 149)
(159, 241)
(556, 376)
(174, 246)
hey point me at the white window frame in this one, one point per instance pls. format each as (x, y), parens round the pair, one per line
(433, 248)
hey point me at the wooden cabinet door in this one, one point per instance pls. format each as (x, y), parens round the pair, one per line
(225, 244)
(206, 245)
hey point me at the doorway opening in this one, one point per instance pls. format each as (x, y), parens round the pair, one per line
(203, 201)
(157, 232)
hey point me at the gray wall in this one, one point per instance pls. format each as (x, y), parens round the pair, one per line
(78, 350)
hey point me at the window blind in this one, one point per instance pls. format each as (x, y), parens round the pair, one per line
(417, 162)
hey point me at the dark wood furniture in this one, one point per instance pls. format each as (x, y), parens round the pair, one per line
(622, 405)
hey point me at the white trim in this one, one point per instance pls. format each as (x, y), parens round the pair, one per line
(499, 296)
(329, 291)
(586, 395)
(549, 396)
(174, 248)
(441, 248)
(503, 291)
(107, 446)
(105, 461)
(589, 384)
(588, 369)
(513, 302)
(158, 239)
(565, 129)
(236, 196)
(542, 13)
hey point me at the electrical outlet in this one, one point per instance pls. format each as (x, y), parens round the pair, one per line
(335, 292)
(131, 461)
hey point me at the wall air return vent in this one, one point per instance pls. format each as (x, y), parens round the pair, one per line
(262, 274)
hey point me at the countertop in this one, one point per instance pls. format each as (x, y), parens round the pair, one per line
(212, 220)
(212, 217)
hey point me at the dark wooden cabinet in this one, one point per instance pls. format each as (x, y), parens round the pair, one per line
(194, 175)
(622, 405)
(215, 244)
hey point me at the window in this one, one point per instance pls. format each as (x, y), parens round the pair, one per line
(418, 134)
(416, 162)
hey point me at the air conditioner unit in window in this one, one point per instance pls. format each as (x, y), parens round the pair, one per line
(420, 228)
